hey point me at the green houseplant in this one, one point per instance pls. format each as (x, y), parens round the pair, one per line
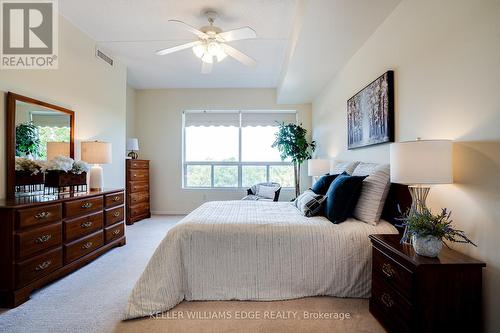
(292, 143)
(27, 140)
(428, 231)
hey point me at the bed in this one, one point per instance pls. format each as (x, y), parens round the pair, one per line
(253, 250)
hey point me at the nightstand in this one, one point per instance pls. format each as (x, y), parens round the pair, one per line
(411, 293)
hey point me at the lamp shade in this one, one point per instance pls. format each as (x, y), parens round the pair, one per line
(57, 148)
(95, 152)
(318, 167)
(132, 144)
(422, 162)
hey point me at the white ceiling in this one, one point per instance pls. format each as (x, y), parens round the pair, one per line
(132, 31)
(301, 44)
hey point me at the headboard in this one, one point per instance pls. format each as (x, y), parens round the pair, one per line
(398, 195)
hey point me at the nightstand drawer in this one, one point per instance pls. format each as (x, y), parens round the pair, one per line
(139, 164)
(392, 307)
(393, 273)
(115, 199)
(37, 240)
(83, 206)
(139, 174)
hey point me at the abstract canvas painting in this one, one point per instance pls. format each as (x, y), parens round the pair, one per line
(370, 113)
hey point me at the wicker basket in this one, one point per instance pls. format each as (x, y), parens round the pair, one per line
(61, 181)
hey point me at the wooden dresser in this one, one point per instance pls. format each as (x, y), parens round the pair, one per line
(137, 190)
(45, 237)
(411, 293)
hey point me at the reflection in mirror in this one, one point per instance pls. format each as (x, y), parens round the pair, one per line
(41, 133)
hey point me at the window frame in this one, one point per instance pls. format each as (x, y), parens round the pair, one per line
(238, 163)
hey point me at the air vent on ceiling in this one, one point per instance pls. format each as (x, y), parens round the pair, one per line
(103, 56)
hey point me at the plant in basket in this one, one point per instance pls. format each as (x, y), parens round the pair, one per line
(62, 172)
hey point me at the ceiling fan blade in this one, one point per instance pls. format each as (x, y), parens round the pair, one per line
(206, 68)
(177, 48)
(237, 34)
(191, 29)
(240, 56)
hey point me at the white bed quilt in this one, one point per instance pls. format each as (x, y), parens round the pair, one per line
(254, 250)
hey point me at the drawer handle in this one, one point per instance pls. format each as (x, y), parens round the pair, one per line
(43, 239)
(87, 224)
(43, 265)
(42, 215)
(116, 213)
(87, 245)
(116, 232)
(388, 270)
(387, 300)
(87, 205)
(117, 198)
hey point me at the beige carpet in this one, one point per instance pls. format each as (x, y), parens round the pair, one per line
(313, 314)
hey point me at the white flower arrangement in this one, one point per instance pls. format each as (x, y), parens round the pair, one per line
(60, 163)
(27, 165)
(79, 167)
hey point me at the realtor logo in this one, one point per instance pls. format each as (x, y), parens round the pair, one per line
(29, 34)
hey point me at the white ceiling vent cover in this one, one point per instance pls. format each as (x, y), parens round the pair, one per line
(103, 56)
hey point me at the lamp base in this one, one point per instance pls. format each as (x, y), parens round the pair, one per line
(133, 155)
(96, 178)
(419, 196)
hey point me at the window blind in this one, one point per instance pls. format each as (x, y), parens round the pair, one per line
(267, 118)
(50, 120)
(211, 118)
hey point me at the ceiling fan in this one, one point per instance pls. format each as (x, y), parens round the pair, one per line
(211, 45)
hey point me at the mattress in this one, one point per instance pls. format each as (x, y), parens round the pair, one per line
(254, 250)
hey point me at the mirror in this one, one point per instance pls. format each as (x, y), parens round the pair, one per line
(36, 131)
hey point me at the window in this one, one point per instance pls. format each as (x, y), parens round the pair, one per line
(232, 149)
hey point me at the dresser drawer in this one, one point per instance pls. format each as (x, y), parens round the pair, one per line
(114, 215)
(139, 209)
(393, 273)
(114, 199)
(39, 239)
(394, 309)
(114, 232)
(139, 197)
(82, 226)
(83, 246)
(82, 206)
(37, 267)
(138, 164)
(138, 186)
(138, 175)
(39, 215)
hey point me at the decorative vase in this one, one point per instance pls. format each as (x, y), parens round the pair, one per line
(428, 246)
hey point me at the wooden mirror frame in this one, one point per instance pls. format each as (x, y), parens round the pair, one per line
(10, 132)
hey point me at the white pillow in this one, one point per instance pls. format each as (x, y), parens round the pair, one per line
(266, 191)
(339, 167)
(373, 192)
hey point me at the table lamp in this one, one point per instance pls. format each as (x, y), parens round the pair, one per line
(420, 164)
(133, 146)
(56, 149)
(96, 153)
(317, 167)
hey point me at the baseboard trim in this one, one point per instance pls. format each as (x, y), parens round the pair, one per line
(165, 212)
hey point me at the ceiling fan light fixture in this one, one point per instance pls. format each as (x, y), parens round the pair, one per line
(199, 50)
(221, 55)
(207, 58)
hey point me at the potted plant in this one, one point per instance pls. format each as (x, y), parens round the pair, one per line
(292, 143)
(63, 171)
(27, 140)
(428, 231)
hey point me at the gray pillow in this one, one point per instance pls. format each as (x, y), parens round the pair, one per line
(309, 203)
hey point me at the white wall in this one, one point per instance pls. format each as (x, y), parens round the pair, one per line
(446, 58)
(159, 129)
(130, 119)
(84, 84)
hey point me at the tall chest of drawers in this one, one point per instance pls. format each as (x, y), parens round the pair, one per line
(43, 238)
(411, 293)
(137, 190)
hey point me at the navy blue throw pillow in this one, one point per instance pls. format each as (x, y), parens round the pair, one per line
(342, 196)
(322, 185)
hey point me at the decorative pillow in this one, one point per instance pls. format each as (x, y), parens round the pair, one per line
(373, 192)
(339, 167)
(323, 183)
(342, 196)
(309, 203)
(266, 191)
